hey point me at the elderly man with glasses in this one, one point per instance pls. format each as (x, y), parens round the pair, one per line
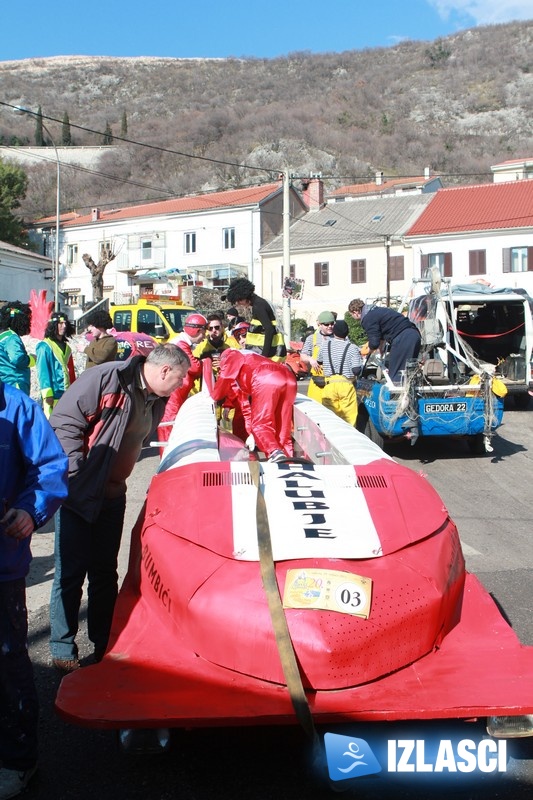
(310, 350)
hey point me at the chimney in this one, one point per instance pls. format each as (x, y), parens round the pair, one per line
(95, 214)
(426, 173)
(379, 178)
(313, 193)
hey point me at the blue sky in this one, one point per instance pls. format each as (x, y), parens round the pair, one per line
(215, 29)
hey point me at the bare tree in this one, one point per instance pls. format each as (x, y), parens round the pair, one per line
(97, 271)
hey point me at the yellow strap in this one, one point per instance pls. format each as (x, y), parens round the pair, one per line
(287, 656)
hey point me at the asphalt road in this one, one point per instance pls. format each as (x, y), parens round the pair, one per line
(491, 501)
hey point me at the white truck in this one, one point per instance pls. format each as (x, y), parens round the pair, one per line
(480, 323)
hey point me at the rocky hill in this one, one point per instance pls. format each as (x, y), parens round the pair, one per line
(457, 105)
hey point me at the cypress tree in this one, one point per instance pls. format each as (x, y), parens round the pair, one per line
(66, 138)
(39, 138)
(124, 126)
(108, 134)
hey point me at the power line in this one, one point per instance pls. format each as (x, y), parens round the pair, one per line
(150, 146)
(98, 173)
(166, 192)
(268, 170)
(384, 177)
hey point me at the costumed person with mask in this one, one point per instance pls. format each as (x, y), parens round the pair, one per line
(311, 349)
(265, 392)
(15, 363)
(263, 335)
(342, 362)
(239, 334)
(383, 324)
(232, 316)
(103, 346)
(55, 367)
(192, 334)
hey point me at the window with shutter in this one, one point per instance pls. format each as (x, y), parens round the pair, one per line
(443, 262)
(517, 259)
(506, 259)
(358, 270)
(396, 268)
(477, 262)
(321, 273)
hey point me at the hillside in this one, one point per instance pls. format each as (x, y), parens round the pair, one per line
(457, 104)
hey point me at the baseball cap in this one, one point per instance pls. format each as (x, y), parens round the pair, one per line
(325, 316)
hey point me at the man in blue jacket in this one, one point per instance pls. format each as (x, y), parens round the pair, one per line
(382, 324)
(33, 483)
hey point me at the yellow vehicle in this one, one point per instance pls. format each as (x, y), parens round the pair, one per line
(160, 316)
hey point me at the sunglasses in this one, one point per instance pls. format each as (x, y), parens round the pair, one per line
(328, 324)
(214, 327)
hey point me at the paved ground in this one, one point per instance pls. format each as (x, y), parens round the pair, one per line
(490, 499)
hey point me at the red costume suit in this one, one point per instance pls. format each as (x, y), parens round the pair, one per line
(179, 395)
(266, 391)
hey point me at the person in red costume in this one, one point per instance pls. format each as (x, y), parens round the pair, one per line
(265, 391)
(192, 334)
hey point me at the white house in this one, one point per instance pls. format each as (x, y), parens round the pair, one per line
(482, 232)
(423, 184)
(21, 271)
(204, 239)
(346, 250)
(517, 169)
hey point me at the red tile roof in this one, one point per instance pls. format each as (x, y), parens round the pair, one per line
(512, 161)
(232, 198)
(375, 188)
(491, 206)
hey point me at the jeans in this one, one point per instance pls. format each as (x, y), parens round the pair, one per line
(19, 706)
(404, 346)
(85, 549)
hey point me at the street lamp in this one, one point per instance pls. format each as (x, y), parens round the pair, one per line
(20, 109)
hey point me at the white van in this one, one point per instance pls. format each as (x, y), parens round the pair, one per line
(496, 324)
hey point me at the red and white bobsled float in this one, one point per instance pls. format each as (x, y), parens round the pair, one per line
(384, 623)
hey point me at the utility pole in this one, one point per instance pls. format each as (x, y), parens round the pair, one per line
(387, 249)
(286, 254)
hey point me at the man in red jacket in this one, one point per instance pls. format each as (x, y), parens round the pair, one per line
(192, 334)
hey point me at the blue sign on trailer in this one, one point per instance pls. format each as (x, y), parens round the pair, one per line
(392, 413)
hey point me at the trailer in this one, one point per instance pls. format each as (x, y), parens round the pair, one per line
(457, 384)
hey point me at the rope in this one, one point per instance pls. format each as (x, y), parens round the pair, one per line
(490, 335)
